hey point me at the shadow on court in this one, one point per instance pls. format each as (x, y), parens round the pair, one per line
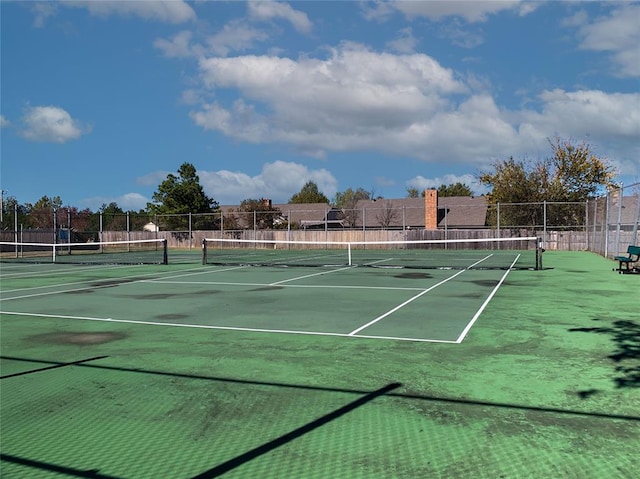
(625, 334)
(364, 398)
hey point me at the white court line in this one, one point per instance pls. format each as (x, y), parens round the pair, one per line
(224, 328)
(49, 293)
(484, 305)
(53, 271)
(309, 276)
(400, 306)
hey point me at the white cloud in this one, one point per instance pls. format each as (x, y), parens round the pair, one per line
(470, 10)
(617, 33)
(128, 202)
(586, 112)
(278, 181)
(235, 36)
(51, 124)
(169, 11)
(42, 11)
(179, 46)
(406, 106)
(422, 183)
(340, 102)
(4, 122)
(268, 10)
(154, 178)
(405, 42)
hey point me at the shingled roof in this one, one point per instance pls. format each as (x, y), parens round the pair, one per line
(453, 212)
(462, 212)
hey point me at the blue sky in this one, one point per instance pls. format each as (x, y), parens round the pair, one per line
(100, 100)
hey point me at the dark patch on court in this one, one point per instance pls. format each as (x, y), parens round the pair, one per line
(79, 291)
(413, 276)
(78, 338)
(153, 296)
(114, 282)
(172, 316)
(205, 292)
(159, 296)
(267, 288)
(487, 283)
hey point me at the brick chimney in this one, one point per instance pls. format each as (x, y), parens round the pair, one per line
(431, 209)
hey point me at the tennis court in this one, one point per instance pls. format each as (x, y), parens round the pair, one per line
(191, 370)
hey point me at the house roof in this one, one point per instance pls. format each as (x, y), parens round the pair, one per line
(304, 213)
(462, 211)
(456, 211)
(397, 213)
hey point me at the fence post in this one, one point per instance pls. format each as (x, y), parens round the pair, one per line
(15, 225)
(620, 197)
(498, 218)
(635, 225)
(544, 222)
(55, 226)
(69, 231)
(606, 225)
(190, 235)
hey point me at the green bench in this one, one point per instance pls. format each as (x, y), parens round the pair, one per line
(633, 256)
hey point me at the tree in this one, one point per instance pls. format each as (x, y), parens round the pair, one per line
(42, 211)
(113, 217)
(387, 215)
(413, 192)
(181, 195)
(347, 200)
(260, 213)
(309, 194)
(458, 189)
(10, 207)
(572, 174)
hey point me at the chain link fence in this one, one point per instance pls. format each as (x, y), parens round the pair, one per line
(612, 221)
(605, 225)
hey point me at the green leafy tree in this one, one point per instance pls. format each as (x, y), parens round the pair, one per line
(10, 207)
(457, 189)
(260, 213)
(452, 189)
(572, 174)
(113, 217)
(181, 195)
(309, 194)
(347, 201)
(413, 193)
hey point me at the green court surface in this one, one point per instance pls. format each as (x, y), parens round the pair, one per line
(192, 371)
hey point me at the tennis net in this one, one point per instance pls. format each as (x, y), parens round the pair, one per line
(496, 253)
(153, 251)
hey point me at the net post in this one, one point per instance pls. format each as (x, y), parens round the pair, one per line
(349, 254)
(204, 251)
(165, 252)
(539, 251)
